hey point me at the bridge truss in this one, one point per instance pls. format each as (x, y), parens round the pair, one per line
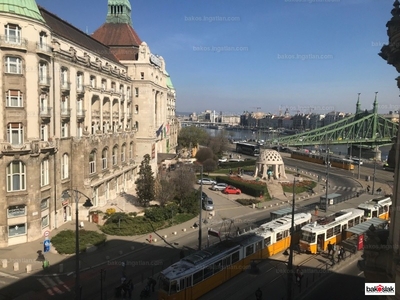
(363, 129)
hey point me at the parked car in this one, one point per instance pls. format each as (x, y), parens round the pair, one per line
(223, 160)
(235, 159)
(207, 181)
(231, 190)
(208, 204)
(219, 187)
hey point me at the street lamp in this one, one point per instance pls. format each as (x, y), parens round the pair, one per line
(290, 262)
(359, 162)
(201, 205)
(65, 195)
(373, 178)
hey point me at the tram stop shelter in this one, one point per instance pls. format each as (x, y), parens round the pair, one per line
(356, 241)
(287, 211)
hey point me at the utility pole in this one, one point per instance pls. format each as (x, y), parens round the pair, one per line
(201, 206)
(373, 178)
(290, 262)
(359, 162)
(327, 180)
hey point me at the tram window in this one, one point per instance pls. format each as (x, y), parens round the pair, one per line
(374, 214)
(208, 271)
(385, 208)
(350, 223)
(267, 241)
(298, 227)
(336, 229)
(285, 233)
(380, 210)
(188, 281)
(357, 221)
(258, 246)
(218, 266)
(181, 285)
(197, 277)
(164, 284)
(344, 227)
(235, 257)
(227, 261)
(174, 287)
(329, 233)
(249, 250)
(278, 236)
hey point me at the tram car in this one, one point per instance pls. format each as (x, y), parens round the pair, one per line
(204, 270)
(336, 162)
(377, 208)
(316, 236)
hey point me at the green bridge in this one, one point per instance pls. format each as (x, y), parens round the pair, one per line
(364, 128)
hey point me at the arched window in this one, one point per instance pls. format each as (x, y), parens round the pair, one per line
(92, 162)
(44, 172)
(131, 150)
(104, 154)
(123, 149)
(16, 176)
(64, 166)
(114, 155)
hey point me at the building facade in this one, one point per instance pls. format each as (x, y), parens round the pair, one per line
(73, 119)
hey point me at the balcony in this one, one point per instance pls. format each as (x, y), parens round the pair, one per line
(122, 97)
(115, 115)
(12, 41)
(80, 89)
(45, 112)
(106, 114)
(43, 48)
(44, 81)
(129, 115)
(65, 86)
(95, 114)
(45, 146)
(129, 99)
(65, 113)
(80, 114)
(11, 149)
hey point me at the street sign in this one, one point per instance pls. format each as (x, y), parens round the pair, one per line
(46, 245)
(46, 233)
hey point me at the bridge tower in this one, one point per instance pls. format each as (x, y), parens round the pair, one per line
(358, 105)
(375, 120)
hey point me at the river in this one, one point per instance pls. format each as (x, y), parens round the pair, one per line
(246, 134)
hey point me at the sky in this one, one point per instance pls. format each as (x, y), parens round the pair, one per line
(233, 56)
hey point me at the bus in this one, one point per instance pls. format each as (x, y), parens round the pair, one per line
(377, 208)
(316, 236)
(357, 161)
(248, 149)
(204, 270)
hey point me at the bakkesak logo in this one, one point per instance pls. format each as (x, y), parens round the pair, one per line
(380, 289)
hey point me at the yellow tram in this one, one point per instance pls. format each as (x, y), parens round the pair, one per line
(336, 162)
(204, 270)
(377, 208)
(316, 236)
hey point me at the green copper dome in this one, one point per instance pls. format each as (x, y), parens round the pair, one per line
(119, 11)
(169, 81)
(26, 8)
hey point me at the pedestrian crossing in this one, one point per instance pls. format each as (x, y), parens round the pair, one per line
(54, 285)
(346, 188)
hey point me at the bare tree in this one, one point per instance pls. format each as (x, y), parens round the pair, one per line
(219, 143)
(209, 165)
(183, 179)
(164, 190)
(203, 154)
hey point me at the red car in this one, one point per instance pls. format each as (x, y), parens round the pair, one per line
(231, 190)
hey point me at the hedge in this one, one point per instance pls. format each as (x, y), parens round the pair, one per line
(249, 188)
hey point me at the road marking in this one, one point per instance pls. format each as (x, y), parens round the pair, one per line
(360, 273)
(49, 291)
(60, 282)
(8, 275)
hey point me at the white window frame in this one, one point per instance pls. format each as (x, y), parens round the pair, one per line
(64, 129)
(44, 132)
(12, 34)
(64, 77)
(136, 92)
(46, 206)
(92, 163)
(43, 40)
(21, 209)
(18, 131)
(11, 175)
(14, 98)
(114, 156)
(104, 161)
(123, 148)
(22, 225)
(44, 173)
(45, 221)
(79, 81)
(43, 73)
(79, 129)
(65, 166)
(93, 81)
(13, 65)
(103, 84)
(131, 150)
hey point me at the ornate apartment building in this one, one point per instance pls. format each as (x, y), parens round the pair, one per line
(77, 113)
